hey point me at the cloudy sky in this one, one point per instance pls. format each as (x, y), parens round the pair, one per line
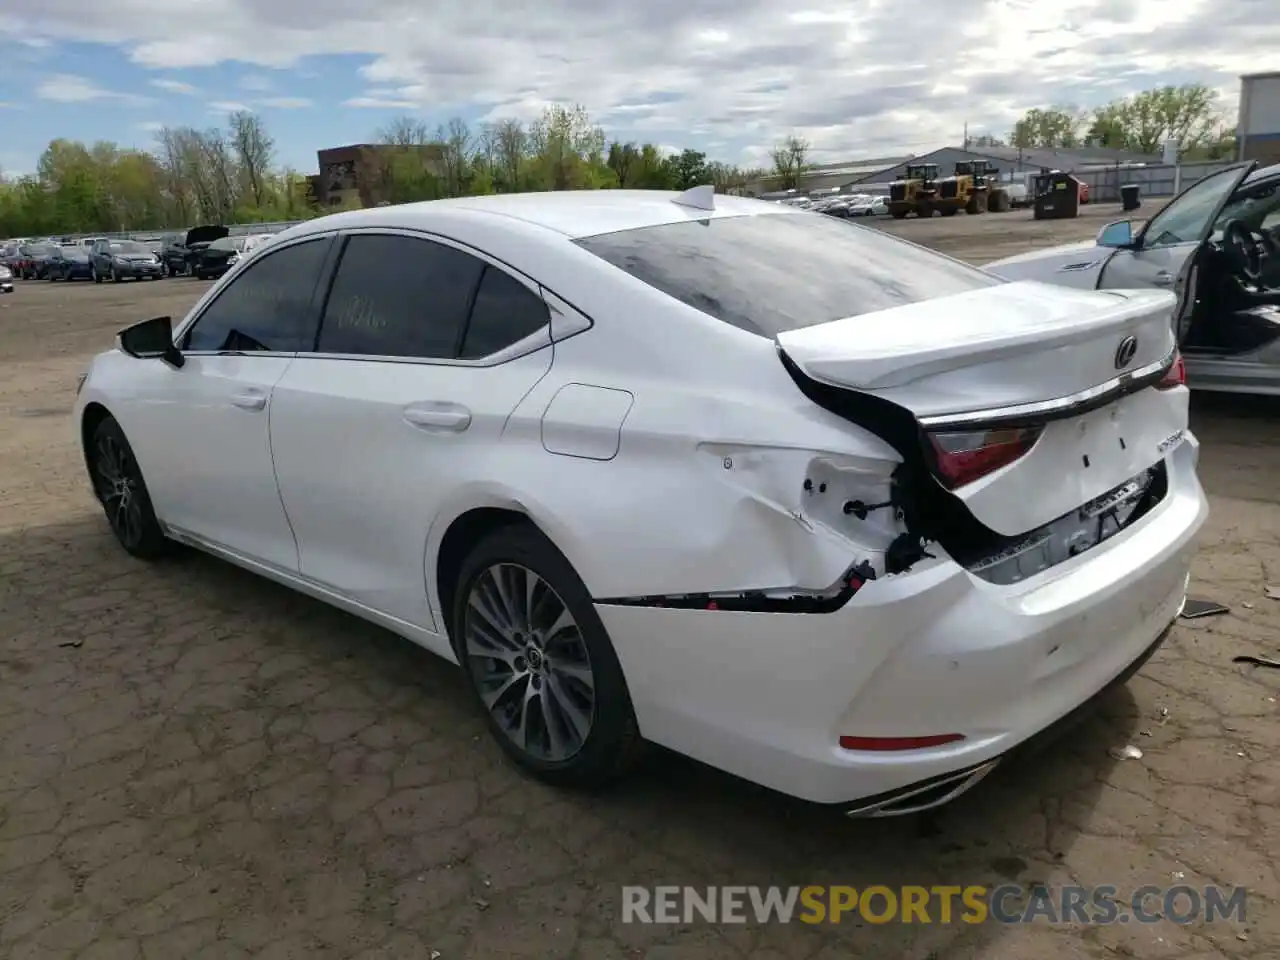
(731, 77)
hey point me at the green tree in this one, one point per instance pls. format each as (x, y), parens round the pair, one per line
(691, 169)
(1052, 128)
(790, 159)
(1143, 122)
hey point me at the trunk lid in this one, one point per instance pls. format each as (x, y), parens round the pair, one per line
(1071, 365)
(205, 234)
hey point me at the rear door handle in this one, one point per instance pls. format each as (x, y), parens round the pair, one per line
(442, 417)
(1163, 279)
(250, 400)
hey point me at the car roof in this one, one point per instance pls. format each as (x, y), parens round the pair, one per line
(572, 213)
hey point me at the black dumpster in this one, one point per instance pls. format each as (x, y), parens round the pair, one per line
(1059, 199)
(1131, 196)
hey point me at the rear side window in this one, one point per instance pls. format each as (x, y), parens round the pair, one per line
(505, 312)
(775, 272)
(267, 307)
(399, 297)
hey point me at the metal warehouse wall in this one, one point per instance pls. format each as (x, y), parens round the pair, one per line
(1155, 180)
(946, 159)
(1259, 127)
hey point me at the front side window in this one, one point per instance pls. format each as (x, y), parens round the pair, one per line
(774, 272)
(266, 307)
(399, 296)
(1186, 219)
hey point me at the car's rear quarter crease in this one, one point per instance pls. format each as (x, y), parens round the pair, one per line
(776, 521)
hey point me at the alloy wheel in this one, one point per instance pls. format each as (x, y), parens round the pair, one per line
(116, 477)
(526, 655)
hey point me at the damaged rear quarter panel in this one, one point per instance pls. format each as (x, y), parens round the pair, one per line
(684, 508)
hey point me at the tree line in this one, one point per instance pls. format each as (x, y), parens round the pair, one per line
(229, 174)
(1140, 123)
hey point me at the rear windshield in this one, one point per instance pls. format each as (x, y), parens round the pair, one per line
(775, 272)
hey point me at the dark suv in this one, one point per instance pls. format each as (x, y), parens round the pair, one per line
(119, 259)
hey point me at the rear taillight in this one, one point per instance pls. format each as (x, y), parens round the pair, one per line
(1176, 375)
(963, 457)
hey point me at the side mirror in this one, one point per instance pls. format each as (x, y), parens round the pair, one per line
(151, 340)
(1118, 233)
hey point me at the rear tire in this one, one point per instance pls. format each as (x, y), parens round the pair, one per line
(119, 487)
(547, 678)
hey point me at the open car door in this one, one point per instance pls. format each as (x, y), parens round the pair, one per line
(1165, 252)
(1185, 283)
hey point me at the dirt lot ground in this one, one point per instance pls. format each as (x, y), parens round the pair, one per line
(198, 764)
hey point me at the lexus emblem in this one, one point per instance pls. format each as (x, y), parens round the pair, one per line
(1126, 351)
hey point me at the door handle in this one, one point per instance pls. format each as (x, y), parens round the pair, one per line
(249, 400)
(1163, 279)
(438, 416)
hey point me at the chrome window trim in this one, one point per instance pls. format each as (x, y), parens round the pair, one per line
(578, 321)
(1056, 409)
(565, 319)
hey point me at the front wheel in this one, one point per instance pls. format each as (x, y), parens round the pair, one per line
(540, 663)
(118, 484)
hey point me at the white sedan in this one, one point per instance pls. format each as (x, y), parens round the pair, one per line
(804, 501)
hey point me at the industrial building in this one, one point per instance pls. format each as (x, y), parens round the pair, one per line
(869, 175)
(359, 172)
(1258, 131)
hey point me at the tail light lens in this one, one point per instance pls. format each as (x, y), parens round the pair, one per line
(1177, 375)
(961, 458)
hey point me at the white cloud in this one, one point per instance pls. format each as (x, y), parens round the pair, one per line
(174, 86)
(71, 88)
(285, 103)
(258, 82)
(380, 103)
(149, 126)
(855, 77)
(227, 106)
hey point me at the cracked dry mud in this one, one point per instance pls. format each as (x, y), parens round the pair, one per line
(195, 763)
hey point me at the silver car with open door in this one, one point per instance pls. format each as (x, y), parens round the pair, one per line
(1217, 245)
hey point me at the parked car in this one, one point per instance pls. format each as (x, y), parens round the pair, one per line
(120, 259)
(6, 279)
(224, 253)
(861, 518)
(34, 262)
(9, 254)
(869, 207)
(1217, 246)
(193, 244)
(69, 261)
